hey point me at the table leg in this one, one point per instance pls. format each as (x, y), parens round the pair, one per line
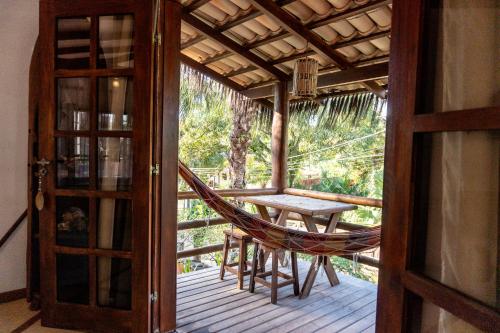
(264, 214)
(327, 264)
(319, 260)
(330, 272)
(282, 221)
(311, 277)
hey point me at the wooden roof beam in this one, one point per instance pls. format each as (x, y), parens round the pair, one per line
(316, 43)
(231, 45)
(295, 27)
(253, 13)
(352, 75)
(195, 4)
(349, 13)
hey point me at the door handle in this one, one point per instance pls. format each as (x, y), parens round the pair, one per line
(41, 173)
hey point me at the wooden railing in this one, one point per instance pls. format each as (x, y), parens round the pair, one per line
(194, 224)
(13, 228)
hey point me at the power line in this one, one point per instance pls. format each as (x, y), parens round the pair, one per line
(337, 145)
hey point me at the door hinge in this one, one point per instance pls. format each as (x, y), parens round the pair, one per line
(155, 169)
(157, 39)
(153, 297)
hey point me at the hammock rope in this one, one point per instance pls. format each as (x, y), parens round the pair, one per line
(341, 243)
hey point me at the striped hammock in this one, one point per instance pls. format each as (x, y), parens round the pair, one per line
(341, 243)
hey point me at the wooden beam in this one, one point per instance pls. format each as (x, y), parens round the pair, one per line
(231, 45)
(240, 71)
(13, 228)
(352, 199)
(293, 25)
(349, 13)
(482, 316)
(203, 250)
(195, 4)
(216, 57)
(230, 193)
(316, 43)
(253, 13)
(166, 155)
(192, 42)
(210, 72)
(279, 138)
(269, 39)
(353, 75)
(336, 46)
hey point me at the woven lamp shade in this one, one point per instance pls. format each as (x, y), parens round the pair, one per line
(305, 77)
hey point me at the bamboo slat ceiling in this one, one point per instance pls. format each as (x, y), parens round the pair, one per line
(252, 43)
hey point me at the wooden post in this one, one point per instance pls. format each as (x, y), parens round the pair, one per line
(279, 141)
(170, 85)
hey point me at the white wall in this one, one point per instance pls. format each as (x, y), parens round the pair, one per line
(18, 32)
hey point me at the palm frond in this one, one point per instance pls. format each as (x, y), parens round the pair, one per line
(329, 111)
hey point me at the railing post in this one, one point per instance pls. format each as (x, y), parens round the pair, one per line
(279, 140)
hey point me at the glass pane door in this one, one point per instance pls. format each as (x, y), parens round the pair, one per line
(95, 221)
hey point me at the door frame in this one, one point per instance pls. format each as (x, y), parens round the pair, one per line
(399, 284)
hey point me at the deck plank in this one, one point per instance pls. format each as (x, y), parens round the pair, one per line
(207, 304)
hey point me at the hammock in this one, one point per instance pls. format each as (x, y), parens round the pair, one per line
(342, 243)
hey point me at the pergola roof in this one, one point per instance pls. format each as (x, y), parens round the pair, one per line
(249, 44)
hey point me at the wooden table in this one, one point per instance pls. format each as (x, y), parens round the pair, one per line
(309, 210)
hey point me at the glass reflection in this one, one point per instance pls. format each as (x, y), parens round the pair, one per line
(72, 278)
(72, 162)
(115, 164)
(72, 219)
(115, 103)
(114, 278)
(114, 224)
(73, 43)
(116, 35)
(73, 96)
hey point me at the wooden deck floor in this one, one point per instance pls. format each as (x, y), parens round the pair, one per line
(207, 304)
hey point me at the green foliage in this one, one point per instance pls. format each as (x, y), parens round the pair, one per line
(204, 128)
(337, 153)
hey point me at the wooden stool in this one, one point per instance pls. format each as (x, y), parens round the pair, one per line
(260, 276)
(239, 268)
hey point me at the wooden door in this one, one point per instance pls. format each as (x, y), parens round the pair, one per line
(95, 130)
(440, 253)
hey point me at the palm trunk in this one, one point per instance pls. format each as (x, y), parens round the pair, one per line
(243, 113)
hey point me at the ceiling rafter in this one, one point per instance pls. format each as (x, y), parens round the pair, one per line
(253, 13)
(231, 45)
(195, 4)
(332, 19)
(349, 13)
(316, 43)
(334, 46)
(283, 34)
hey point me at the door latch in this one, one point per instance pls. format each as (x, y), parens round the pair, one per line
(155, 169)
(153, 297)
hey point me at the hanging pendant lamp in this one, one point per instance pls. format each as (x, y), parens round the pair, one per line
(305, 78)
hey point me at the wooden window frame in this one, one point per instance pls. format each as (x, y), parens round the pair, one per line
(401, 287)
